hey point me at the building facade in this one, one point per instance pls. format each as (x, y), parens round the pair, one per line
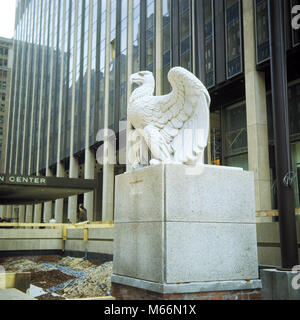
(72, 61)
(5, 76)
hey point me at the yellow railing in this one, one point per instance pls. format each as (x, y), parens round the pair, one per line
(85, 226)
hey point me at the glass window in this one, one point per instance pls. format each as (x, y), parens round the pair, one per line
(233, 38)
(294, 126)
(209, 42)
(185, 34)
(216, 138)
(136, 37)
(262, 30)
(235, 136)
(123, 63)
(166, 7)
(150, 35)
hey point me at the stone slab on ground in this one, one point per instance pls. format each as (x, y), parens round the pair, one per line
(280, 285)
(13, 294)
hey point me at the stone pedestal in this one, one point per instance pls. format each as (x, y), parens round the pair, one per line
(181, 230)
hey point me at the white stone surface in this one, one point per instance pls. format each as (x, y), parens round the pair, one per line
(174, 126)
(139, 250)
(139, 195)
(210, 252)
(214, 194)
(172, 227)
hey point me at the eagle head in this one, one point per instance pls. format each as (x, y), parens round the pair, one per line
(142, 77)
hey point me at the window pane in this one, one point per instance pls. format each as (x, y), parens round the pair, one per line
(209, 43)
(185, 34)
(235, 126)
(262, 30)
(233, 38)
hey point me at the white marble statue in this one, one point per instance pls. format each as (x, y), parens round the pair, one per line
(174, 126)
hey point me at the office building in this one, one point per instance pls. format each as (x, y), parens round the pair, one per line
(72, 61)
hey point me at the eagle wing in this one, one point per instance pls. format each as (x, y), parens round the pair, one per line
(186, 107)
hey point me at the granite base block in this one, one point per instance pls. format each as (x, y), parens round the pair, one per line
(173, 227)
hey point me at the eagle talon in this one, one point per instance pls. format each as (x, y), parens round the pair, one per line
(155, 162)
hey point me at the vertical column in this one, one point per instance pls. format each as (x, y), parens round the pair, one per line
(89, 165)
(108, 169)
(34, 103)
(22, 88)
(59, 204)
(38, 213)
(258, 146)
(9, 212)
(74, 168)
(72, 201)
(129, 70)
(29, 214)
(22, 214)
(15, 212)
(89, 173)
(158, 45)
(48, 205)
(60, 170)
(3, 210)
(285, 192)
(27, 91)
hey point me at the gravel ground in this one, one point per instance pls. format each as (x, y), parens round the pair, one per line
(68, 277)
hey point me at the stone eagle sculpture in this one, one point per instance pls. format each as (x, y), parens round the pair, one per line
(175, 126)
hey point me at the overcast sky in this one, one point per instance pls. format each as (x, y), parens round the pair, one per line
(7, 18)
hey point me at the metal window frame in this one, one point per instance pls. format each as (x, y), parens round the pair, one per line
(180, 14)
(256, 40)
(241, 41)
(213, 43)
(223, 131)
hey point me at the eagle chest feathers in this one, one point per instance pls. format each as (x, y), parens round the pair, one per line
(138, 112)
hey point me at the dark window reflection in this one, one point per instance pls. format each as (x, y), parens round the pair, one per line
(262, 30)
(209, 43)
(233, 38)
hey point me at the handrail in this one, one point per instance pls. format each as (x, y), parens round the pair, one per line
(89, 225)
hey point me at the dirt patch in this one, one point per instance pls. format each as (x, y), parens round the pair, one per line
(48, 279)
(47, 259)
(49, 297)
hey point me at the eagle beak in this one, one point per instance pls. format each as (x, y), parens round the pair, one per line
(135, 79)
